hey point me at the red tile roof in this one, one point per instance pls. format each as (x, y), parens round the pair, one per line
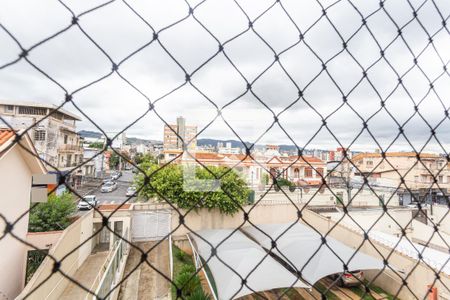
(207, 155)
(394, 154)
(5, 136)
(307, 158)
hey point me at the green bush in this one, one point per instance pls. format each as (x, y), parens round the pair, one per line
(188, 269)
(284, 182)
(187, 282)
(198, 294)
(180, 255)
(53, 214)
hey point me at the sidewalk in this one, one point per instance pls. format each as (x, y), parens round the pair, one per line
(85, 275)
(145, 282)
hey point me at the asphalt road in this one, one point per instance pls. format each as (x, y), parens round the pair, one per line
(117, 196)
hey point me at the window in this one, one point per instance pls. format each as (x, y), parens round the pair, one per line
(369, 163)
(30, 110)
(416, 178)
(9, 109)
(65, 138)
(308, 172)
(319, 171)
(39, 135)
(296, 173)
(441, 179)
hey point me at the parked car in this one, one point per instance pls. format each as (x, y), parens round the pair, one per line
(109, 187)
(108, 179)
(116, 174)
(130, 191)
(88, 202)
(347, 279)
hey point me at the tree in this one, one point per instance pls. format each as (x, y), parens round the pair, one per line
(139, 158)
(96, 145)
(168, 184)
(53, 214)
(114, 160)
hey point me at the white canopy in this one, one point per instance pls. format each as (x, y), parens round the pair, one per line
(301, 247)
(241, 255)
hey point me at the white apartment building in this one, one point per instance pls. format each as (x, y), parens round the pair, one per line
(227, 148)
(54, 137)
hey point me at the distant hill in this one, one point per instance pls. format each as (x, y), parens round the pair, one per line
(213, 142)
(90, 134)
(130, 140)
(239, 144)
(138, 141)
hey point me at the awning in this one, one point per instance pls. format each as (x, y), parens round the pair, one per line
(243, 257)
(301, 247)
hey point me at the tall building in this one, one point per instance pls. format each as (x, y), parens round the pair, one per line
(53, 133)
(180, 133)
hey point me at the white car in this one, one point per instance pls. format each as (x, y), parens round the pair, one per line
(109, 187)
(131, 191)
(106, 180)
(88, 202)
(116, 175)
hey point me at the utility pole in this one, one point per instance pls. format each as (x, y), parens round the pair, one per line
(345, 175)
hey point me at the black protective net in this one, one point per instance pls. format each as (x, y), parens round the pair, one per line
(392, 70)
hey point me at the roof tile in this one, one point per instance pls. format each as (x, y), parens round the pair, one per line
(6, 135)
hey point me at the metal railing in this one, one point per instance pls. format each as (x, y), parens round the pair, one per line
(115, 264)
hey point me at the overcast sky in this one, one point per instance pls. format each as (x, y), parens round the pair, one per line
(74, 61)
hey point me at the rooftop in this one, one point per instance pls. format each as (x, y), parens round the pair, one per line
(42, 105)
(394, 154)
(5, 135)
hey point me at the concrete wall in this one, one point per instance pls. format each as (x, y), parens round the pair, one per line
(314, 197)
(15, 185)
(425, 234)
(213, 219)
(70, 239)
(440, 215)
(377, 220)
(43, 240)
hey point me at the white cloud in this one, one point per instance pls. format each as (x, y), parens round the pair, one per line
(74, 61)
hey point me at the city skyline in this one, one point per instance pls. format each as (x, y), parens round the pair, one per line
(154, 73)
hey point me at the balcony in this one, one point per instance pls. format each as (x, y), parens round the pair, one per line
(70, 148)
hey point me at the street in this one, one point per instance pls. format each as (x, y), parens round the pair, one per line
(115, 197)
